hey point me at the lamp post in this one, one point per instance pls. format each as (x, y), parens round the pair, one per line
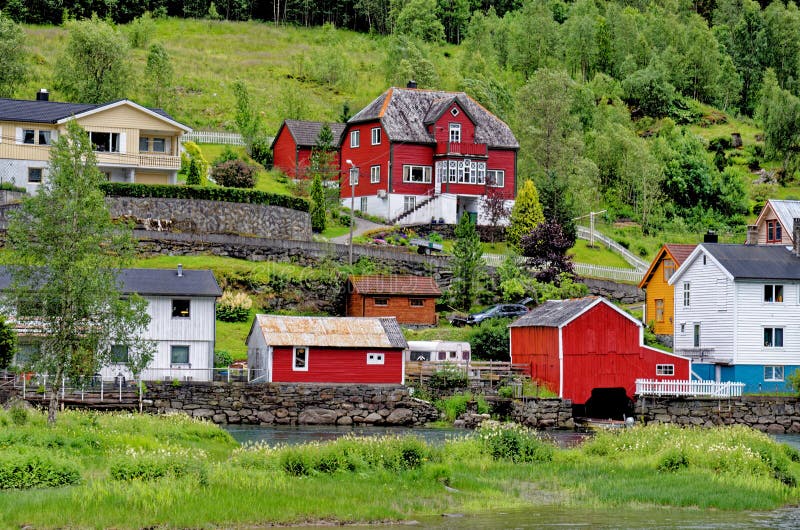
(353, 181)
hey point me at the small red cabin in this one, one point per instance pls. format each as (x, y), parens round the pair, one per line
(411, 299)
(289, 349)
(291, 148)
(585, 344)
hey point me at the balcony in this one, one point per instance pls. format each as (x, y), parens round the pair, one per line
(704, 355)
(461, 148)
(149, 161)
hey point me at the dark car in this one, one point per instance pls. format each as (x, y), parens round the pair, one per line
(497, 311)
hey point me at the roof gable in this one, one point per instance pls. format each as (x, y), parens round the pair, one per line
(678, 254)
(306, 133)
(559, 313)
(331, 332)
(395, 285)
(785, 210)
(440, 107)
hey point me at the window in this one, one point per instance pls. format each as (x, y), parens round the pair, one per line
(28, 136)
(454, 112)
(665, 369)
(44, 137)
(300, 358)
(159, 145)
(704, 259)
(773, 294)
(421, 174)
(409, 203)
(179, 355)
(683, 328)
(669, 269)
(382, 301)
(105, 142)
(773, 337)
(659, 310)
(455, 132)
(374, 358)
(34, 174)
(144, 144)
(696, 342)
(495, 178)
(119, 354)
(26, 352)
(686, 294)
(180, 308)
(355, 138)
(773, 373)
(376, 136)
(417, 302)
(774, 231)
(375, 174)
(363, 204)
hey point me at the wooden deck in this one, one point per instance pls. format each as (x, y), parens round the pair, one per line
(477, 371)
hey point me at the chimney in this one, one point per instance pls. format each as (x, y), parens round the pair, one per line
(752, 235)
(796, 237)
(180, 270)
(710, 237)
(43, 95)
(411, 84)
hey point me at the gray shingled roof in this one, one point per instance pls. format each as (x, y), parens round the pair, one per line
(49, 111)
(554, 313)
(393, 332)
(156, 282)
(305, 133)
(756, 262)
(404, 113)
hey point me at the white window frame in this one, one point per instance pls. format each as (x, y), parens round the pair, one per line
(295, 367)
(44, 134)
(774, 337)
(24, 135)
(188, 355)
(687, 294)
(375, 174)
(363, 204)
(409, 203)
(355, 138)
(153, 142)
(665, 370)
(497, 175)
(111, 135)
(375, 136)
(771, 293)
(697, 335)
(776, 373)
(409, 169)
(375, 358)
(454, 133)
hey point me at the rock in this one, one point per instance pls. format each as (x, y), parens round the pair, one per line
(400, 416)
(344, 420)
(265, 417)
(317, 416)
(203, 413)
(374, 418)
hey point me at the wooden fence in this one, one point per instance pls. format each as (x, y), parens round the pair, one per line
(214, 137)
(476, 371)
(637, 263)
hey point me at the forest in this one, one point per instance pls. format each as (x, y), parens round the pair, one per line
(613, 102)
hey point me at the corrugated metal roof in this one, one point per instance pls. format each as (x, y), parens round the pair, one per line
(756, 262)
(787, 211)
(554, 313)
(333, 332)
(305, 133)
(403, 114)
(395, 285)
(35, 111)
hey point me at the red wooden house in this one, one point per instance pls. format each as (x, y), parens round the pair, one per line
(425, 155)
(411, 299)
(581, 345)
(291, 148)
(288, 349)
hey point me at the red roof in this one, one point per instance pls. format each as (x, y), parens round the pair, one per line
(395, 285)
(680, 252)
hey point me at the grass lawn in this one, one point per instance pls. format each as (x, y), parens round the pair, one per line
(599, 255)
(231, 337)
(334, 230)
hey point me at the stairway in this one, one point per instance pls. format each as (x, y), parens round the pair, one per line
(406, 213)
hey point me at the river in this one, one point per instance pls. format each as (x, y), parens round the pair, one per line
(538, 516)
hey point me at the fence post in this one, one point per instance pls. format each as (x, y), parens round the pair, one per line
(63, 384)
(120, 389)
(101, 388)
(24, 386)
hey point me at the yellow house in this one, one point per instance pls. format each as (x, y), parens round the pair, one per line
(659, 295)
(133, 143)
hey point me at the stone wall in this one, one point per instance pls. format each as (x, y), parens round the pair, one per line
(774, 415)
(619, 292)
(291, 404)
(544, 413)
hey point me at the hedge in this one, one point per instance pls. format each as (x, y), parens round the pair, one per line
(209, 193)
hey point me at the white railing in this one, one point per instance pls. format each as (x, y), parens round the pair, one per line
(637, 263)
(653, 388)
(214, 137)
(609, 273)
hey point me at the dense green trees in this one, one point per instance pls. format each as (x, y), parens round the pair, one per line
(13, 67)
(467, 264)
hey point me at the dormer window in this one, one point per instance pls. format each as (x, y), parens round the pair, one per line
(455, 132)
(774, 231)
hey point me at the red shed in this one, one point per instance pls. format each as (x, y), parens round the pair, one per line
(291, 148)
(411, 299)
(284, 349)
(584, 344)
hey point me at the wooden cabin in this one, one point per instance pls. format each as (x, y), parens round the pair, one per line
(294, 142)
(659, 294)
(411, 299)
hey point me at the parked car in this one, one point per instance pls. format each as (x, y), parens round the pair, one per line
(496, 311)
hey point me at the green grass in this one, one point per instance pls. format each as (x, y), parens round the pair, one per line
(231, 337)
(597, 255)
(745, 127)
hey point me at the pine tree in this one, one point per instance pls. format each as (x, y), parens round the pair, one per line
(317, 204)
(467, 263)
(193, 175)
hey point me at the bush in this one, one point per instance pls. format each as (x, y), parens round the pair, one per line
(514, 442)
(140, 30)
(673, 460)
(226, 155)
(449, 377)
(8, 186)
(490, 340)
(234, 307)
(260, 151)
(35, 471)
(234, 174)
(456, 405)
(19, 415)
(166, 191)
(222, 359)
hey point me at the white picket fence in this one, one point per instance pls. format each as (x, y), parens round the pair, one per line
(608, 273)
(214, 137)
(653, 388)
(637, 263)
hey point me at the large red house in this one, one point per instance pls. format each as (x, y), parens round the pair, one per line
(578, 346)
(291, 148)
(289, 349)
(417, 156)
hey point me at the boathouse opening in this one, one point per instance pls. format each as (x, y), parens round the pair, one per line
(606, 403)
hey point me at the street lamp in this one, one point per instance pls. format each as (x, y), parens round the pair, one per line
(353, 181)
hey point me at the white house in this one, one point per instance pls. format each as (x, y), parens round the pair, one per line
(737, 313)
(182, 306)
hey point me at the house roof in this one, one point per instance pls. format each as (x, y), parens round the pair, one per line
(333, 332)
(755, 262)
(555, 313)
(156, 282)
(305, 133)
(786, 211)
(679, 253)
(35, 111)
(395, 285)
(404, 114)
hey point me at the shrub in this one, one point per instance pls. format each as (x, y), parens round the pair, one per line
(295, 462)
(35, 471)
(126, 189)
(672, 460)
(456, 405)
(234, 307)
(449, 377)
(260, 151)
(226, 155)
(140, 30)
(234, 174)
(9, 186)
(222, 359)
(514, 442)
(19, 415)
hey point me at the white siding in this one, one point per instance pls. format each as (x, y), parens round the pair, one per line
(199, 326)
(711, 305)
(257, 355)
(753, 315)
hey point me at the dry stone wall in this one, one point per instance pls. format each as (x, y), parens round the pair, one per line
(544, 413)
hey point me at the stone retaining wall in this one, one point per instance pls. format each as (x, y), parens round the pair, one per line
(619, 292)
(291, 404)
(544, 413)
(774, 415)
